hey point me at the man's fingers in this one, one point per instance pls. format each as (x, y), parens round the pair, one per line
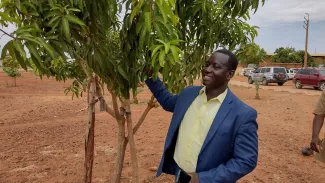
(314, 147)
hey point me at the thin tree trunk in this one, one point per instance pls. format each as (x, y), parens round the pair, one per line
(135, 167)
(90, 130)
(120, 153)
(121, 140)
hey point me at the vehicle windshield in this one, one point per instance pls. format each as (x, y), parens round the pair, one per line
(279, 70)
(321, 72)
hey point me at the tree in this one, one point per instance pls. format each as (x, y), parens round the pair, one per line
(250, 54)
(11, 66)
(290, 55)
(171, 38)
(310, 59)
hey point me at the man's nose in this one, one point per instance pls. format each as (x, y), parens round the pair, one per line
(207, 69)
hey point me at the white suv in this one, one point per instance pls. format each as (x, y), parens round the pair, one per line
(269, 75)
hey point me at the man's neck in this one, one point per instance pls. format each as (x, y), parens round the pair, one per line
(215, 92)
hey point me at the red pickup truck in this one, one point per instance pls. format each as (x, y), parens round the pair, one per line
(310, 77)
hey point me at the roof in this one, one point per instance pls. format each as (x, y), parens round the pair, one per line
(312, 54)
(317, 54)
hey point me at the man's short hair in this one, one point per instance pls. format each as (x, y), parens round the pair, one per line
(232, 61)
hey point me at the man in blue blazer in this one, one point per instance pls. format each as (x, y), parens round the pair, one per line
(212, 137)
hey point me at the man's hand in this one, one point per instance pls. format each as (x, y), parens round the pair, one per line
(315, 144)
(194, 178)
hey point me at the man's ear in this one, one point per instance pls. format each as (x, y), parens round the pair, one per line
(231, 74)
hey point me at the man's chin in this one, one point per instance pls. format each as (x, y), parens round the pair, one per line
(205, 83)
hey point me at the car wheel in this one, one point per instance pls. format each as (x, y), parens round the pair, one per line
(280, 84)
(264, 82)
(322, 86)
(250, 80)
(298, 84)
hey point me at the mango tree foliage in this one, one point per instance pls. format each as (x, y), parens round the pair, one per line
(69, 30)
(250, 54)
(10, 67)
(173, 37)
(76, 38)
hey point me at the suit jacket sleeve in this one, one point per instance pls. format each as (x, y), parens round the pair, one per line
(164, 97)
(245, 155)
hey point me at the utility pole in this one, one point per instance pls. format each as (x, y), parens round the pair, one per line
(306, 26)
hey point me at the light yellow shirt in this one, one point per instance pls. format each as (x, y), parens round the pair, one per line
(194, 129)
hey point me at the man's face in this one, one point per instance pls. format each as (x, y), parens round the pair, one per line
(215, 72)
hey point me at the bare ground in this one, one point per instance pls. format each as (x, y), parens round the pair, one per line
(42, 135)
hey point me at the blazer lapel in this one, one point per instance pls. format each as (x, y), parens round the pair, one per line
(185, 104)
(224, 110)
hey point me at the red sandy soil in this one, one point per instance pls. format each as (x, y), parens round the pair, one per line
(42, 135)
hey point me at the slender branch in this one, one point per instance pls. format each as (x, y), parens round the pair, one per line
(88, 106)
(151, 104)
(144, 115)
(135, 167)
(109, 110)
(8, 34)
(115, 106)
(83, 65)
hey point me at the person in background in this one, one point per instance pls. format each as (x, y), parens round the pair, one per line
(212, 137)
(316, 144)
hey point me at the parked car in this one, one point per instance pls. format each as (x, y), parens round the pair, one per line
(269, 75)
(247, 72)
(291, 73)
(310, 77)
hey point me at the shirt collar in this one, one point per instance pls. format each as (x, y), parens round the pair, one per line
(220, 98)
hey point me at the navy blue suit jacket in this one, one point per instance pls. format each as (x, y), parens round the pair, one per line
(230, 149)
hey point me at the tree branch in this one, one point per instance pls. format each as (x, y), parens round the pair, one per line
(144, 114)
(83, 65)
(8, 34)
(151, 104)
(115, 107)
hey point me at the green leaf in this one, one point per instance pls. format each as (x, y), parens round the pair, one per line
(142, 38)
(154, 59)
(162, 58)
(156, 49)
(147, 19)
(171, 59)
(167, 47)
(51, 3)
(33, 51)
(175, 42)
(74, 9)
(139, 27)
(53, 19)
(19, 47)
(20, 59)
(136, 10)
(162, 12)
(175, 53)
(18, 5)
(47, 47)
(122, 72)
(5, 49)
(66, 28)
(172, 3)
(75, 20)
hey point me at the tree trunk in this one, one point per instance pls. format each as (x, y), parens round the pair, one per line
(122, 142)
(131, 140)
(90, 130)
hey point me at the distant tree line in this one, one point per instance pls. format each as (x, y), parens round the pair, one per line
(290, 55)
